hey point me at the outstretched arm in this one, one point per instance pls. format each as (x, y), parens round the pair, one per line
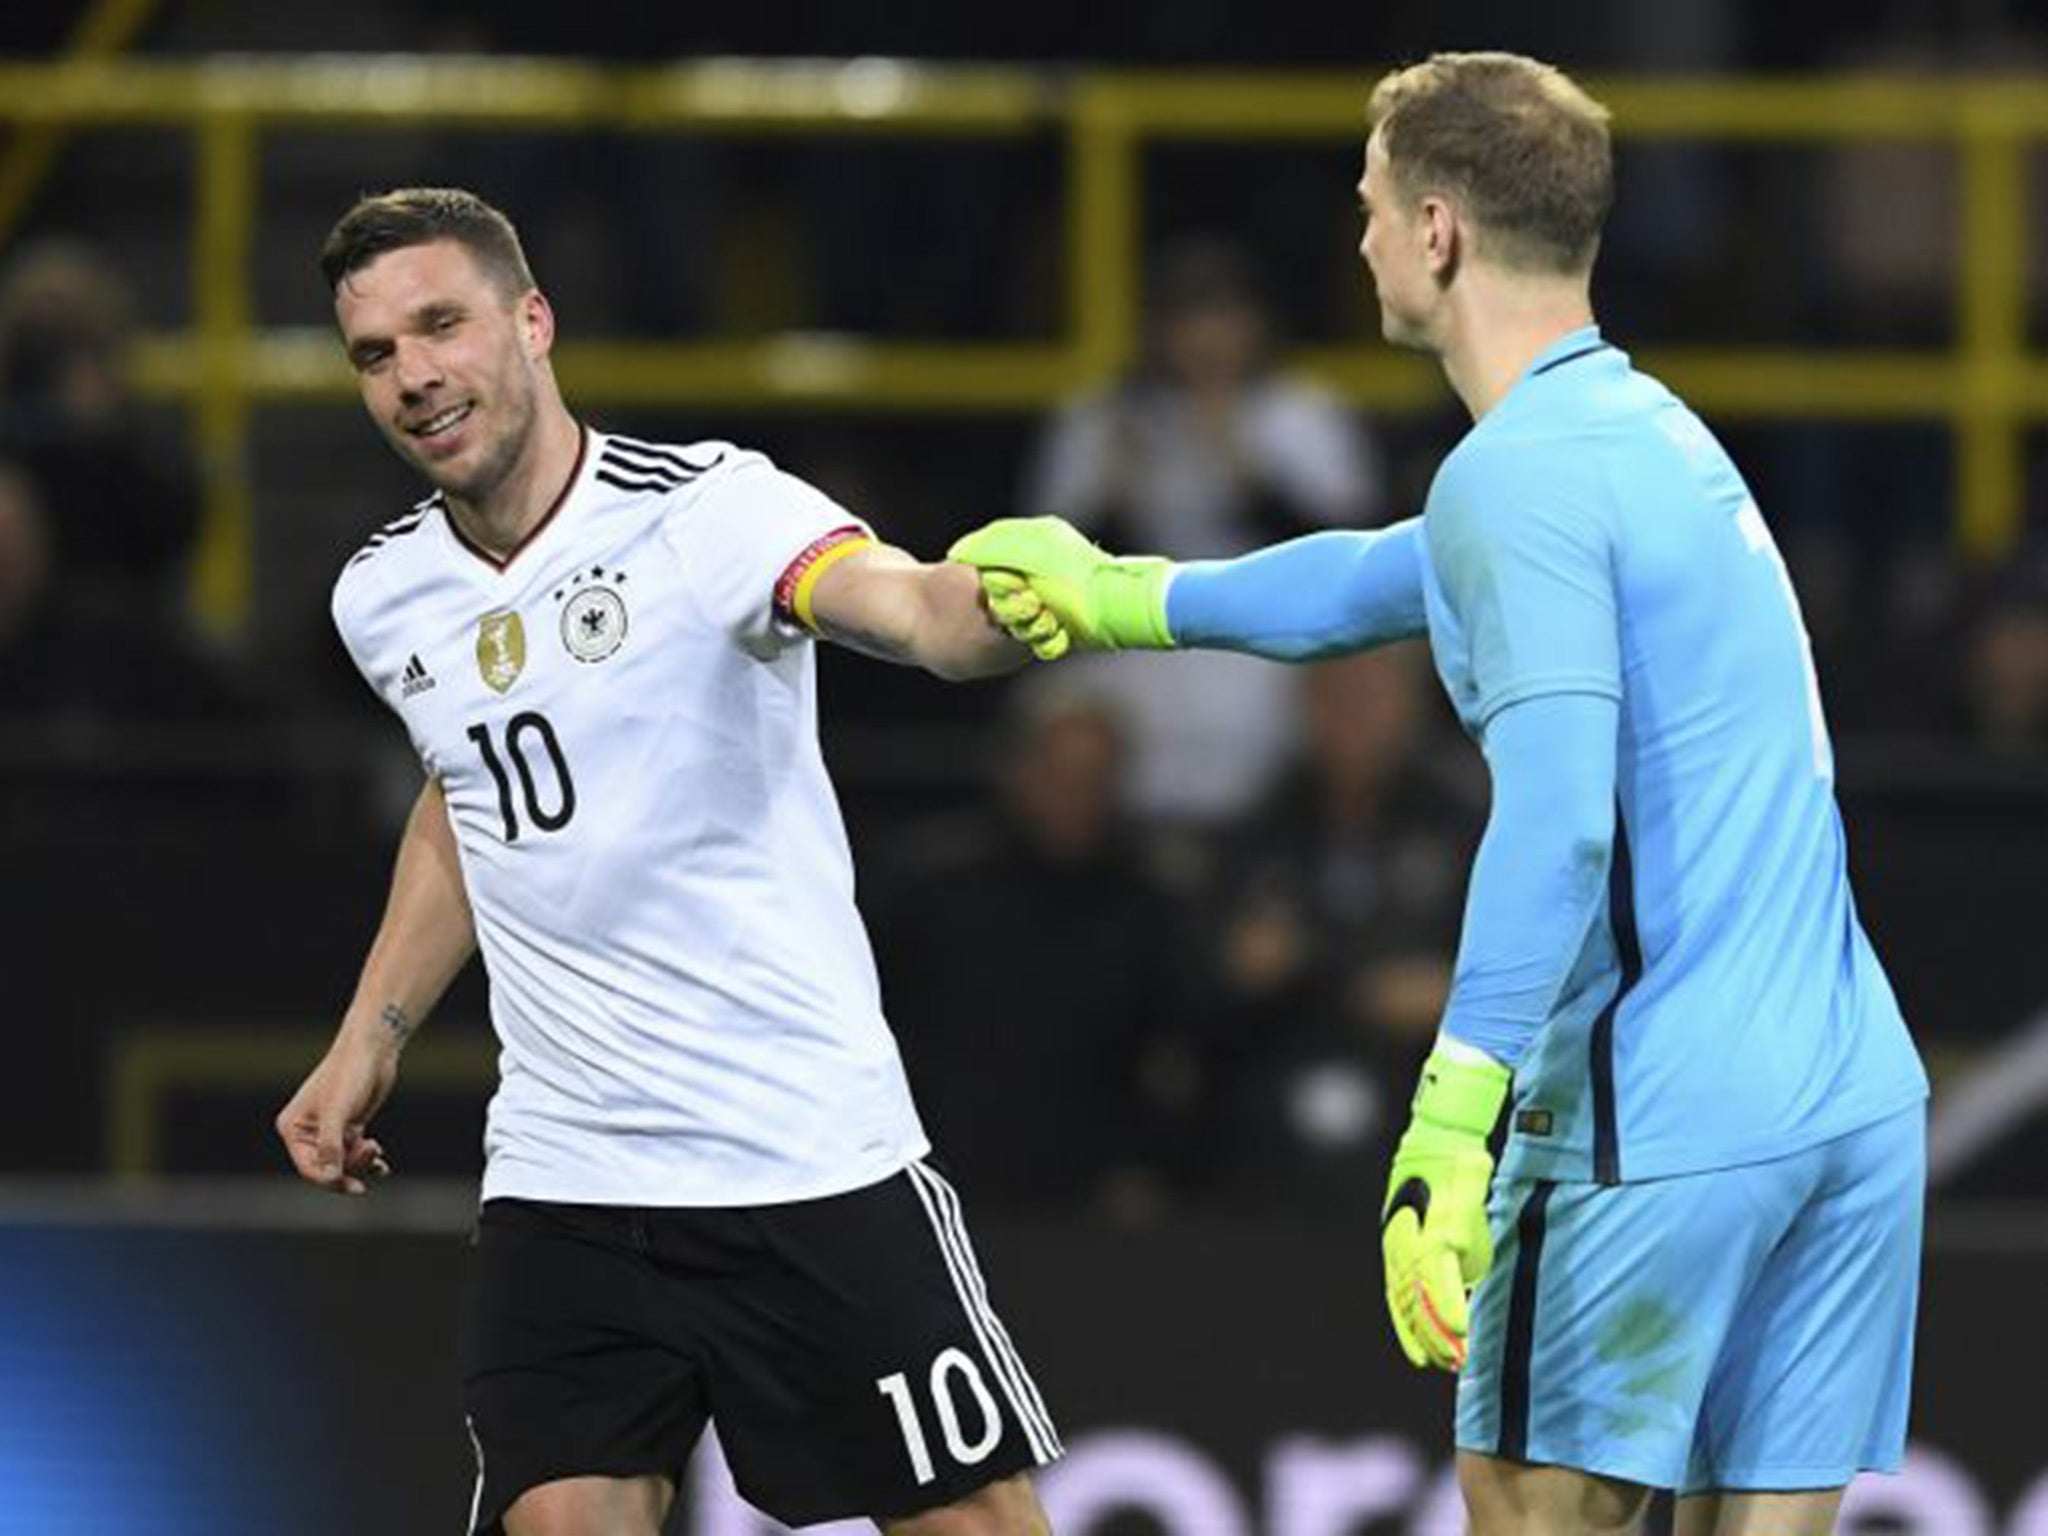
(1322, 595)
(426, 937)
(886, 603)
(1312, 597)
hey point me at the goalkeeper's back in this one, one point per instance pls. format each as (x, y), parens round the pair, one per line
(1727, 1006)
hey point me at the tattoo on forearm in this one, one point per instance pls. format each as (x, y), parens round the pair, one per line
(400, 1025)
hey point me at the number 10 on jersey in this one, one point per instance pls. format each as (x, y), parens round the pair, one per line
(528, 735)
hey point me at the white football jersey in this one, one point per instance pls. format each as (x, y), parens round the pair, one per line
(623, 717)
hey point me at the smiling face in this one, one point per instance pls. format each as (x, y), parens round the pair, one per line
(1397, 248)
(449, 366)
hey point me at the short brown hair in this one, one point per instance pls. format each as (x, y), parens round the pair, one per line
(1523, 148)
(409, 216)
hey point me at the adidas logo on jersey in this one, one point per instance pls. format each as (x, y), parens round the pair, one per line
(415, 678)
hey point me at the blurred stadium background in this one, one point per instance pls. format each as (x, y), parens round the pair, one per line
(950, 263)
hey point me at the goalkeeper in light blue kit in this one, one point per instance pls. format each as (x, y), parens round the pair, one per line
(1697, 1265)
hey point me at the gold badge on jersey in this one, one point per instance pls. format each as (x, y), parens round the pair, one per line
(500, 649)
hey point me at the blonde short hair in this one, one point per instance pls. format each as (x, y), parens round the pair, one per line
(1517, 143)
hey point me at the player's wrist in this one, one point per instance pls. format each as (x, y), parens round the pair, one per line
(1459, 1094)
(381, 1029)
(1130, 601)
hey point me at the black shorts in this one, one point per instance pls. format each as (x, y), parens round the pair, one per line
(845, 1348)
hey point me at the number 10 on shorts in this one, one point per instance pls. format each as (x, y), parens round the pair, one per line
(951, 1365)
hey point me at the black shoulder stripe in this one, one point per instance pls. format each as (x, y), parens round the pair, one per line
(656, 455)
(397, 528)
(626, 466)
(626, 483)
(646, 465)
(659, 453)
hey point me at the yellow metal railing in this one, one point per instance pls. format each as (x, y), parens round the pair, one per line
(106, 28)
(1988, 388)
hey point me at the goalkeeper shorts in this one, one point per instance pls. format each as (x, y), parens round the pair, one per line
(1743, 1329)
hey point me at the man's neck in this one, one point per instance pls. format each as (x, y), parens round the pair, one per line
(1500, 329)
(501, 521)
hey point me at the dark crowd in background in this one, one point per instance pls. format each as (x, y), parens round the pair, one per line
(1157, 932)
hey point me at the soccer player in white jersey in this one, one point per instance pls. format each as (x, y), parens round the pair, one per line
(704, 1196)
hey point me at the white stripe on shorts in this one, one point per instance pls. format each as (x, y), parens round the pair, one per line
(942, 1205)
(476, 1500)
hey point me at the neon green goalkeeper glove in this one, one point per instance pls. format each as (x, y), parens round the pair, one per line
(1433, 1227)
(1055, 590)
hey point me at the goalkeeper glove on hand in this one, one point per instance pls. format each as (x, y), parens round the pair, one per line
(1053, 589)
(1433, 1233)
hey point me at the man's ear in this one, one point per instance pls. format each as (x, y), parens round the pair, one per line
(1443, 236)
(536, 323)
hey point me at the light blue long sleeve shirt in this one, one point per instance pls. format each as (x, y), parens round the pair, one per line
(1659, 933)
